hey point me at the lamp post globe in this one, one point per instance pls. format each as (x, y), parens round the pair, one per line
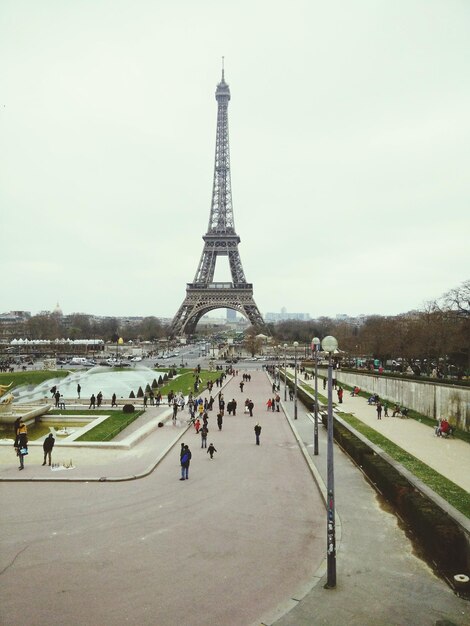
(329, 343)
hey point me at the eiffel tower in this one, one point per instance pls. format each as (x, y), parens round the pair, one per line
(204, 295)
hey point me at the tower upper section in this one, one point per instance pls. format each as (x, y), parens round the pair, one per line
(221, 216)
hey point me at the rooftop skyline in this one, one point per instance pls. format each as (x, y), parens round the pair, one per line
(349, 137)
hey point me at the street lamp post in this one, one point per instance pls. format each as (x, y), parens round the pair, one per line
(296, 345)
(329, 344)
(315, 346)
(285, 372)
(277, 367)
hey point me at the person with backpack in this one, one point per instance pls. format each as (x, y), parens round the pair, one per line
(185, 460)
(21, 443)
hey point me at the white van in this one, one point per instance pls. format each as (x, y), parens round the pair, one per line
(79, 360)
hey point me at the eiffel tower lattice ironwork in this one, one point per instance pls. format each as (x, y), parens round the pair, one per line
(204, 295)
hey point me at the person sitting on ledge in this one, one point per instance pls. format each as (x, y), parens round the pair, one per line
(355, 391)
(445, 429)
(396, 410)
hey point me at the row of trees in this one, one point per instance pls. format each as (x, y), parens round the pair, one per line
(437, 334)
(79, 326)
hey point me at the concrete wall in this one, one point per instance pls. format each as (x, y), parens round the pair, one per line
(432, 400)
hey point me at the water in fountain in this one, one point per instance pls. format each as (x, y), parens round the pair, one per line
(106, 380)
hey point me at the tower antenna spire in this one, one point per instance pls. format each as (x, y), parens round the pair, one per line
(223, 68)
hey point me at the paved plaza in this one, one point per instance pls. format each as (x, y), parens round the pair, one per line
(241, 542)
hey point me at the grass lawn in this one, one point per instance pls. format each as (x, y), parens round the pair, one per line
(185, 382)
(109, 428)
(30, 377)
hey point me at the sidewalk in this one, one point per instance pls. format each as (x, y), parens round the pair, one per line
(380, 580)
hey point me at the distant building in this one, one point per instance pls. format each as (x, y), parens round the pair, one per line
(231, 315)
(284, 316)
(13, 324)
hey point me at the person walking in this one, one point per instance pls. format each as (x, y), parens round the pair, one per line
(57, 397)
(185, 459)
(197, 425)
(291, 393)
(92, 401)
(47, 446)
(257, 430)
(21, 443)
(211, 450)
(340, 395)
(113, 400)
(250, 406)
(99, 399)
(234, 406)
(385, 409)
(379, 410)
(204, 433)
(219, 420)
(241, 386)
(79, 388)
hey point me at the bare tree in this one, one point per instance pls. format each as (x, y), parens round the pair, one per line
(458, 299)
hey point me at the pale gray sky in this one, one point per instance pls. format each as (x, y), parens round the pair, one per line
(350, 151)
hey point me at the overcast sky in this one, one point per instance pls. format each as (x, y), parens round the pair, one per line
(350, 151)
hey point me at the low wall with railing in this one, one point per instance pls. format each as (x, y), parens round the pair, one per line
(428, 398)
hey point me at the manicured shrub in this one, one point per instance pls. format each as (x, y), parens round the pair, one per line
(165, 377)
(132, 394)
(128, 408)
(147, 388)
(154, 384)
(140, 393)
(160, 380)
(170, 374)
